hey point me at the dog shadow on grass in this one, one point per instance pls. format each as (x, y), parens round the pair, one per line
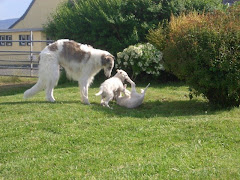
(40, 102)
(148, 109)
(157, 108)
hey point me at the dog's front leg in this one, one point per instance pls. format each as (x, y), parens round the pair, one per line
(126, 92)
(83, 85)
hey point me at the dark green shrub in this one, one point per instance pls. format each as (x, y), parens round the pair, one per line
(204, 50)
(115, 24)
(63, 77)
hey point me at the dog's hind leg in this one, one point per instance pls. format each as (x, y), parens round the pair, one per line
(52, 82)
(108, 99)
(49, 92)
(143, 91)
(103, 100)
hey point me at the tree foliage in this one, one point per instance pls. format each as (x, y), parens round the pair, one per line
(115, 24)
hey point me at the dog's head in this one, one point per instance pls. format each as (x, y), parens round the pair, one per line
(107, 63)
(122, 75)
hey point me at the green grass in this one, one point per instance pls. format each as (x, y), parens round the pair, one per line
(168, 137)
(13, 80)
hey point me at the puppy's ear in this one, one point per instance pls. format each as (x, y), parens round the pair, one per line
(117, 70)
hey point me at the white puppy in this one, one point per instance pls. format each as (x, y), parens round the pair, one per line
(113, 87)
(134, 99)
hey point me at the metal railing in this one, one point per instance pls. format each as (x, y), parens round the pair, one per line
(20, 63)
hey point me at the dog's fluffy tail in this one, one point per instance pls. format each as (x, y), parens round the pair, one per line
(99, 93)
(39, 86)
(143, 91)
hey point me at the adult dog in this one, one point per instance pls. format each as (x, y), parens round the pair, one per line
(81, 62)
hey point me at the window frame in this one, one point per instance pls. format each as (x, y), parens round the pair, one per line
(2, 37)
(8, 38)
(29, 38)
(24, 38)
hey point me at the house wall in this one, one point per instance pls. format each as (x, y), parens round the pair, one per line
(35, 16)
(38, 14)
(33, 20)
(37, 46)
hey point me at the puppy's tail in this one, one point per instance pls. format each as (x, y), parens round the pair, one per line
(143, 91)
(99, 93)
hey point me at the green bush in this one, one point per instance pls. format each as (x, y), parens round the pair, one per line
(115, 24)
(204, 50)
(139, 59)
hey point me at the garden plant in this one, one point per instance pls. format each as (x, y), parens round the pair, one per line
(139, 59)
(116, 24)
(203, 50)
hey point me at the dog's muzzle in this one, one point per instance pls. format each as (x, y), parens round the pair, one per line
(107, 73)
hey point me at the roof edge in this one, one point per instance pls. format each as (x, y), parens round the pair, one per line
(23, 16)
(20, 30)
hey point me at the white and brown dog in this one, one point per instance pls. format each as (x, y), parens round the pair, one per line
(133, 99)
(113, 87)
(81, 62)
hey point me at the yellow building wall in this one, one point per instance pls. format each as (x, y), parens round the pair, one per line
(38, 14)
(34, 19)
(37, 46)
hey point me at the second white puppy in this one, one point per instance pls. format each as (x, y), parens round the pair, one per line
(134, 99)
(113, 87)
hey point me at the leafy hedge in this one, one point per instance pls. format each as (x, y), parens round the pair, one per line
(116, 24)
(204, 50)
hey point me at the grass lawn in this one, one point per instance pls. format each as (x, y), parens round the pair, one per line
(168, 137)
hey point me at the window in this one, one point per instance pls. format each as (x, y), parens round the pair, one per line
(2, 43)
(24, 37)
(9, 38)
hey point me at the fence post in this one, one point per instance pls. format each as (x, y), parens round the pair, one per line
(31, 54)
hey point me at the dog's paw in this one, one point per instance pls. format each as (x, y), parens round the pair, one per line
(50, 99)
(86, 103)
(109, 107)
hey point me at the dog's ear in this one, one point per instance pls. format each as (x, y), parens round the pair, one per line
(119, 71)
(105, 59)
(112, 57)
